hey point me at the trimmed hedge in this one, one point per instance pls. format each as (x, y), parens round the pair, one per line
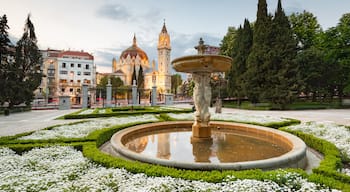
(275, 125)
(118, 113)
(326, 174)
(332, 157)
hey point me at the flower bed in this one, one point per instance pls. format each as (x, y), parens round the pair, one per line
(337, 134)
(241, 118)
(84, 129)
(62, 168)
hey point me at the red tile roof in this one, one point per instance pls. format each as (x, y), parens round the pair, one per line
(82, 54)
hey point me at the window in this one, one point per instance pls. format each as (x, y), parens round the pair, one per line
(88, 81)
(63, 80)
(72, 65)
(87, 66)
(71, 73)
(87, 73)
(63, 72)
(78, 81)
(71, 90)
(79, 72)
(62, 90)
(78, 90)
(79, 65)
(71, 81)
(63, 65)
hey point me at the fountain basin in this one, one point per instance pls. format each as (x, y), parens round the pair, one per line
(202, 63)
(294, 155)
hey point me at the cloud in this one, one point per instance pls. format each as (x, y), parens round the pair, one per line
(115, 12)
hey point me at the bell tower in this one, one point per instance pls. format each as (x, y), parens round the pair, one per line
(164, 64)
(164, 49)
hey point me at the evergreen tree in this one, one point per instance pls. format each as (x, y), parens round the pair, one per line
(133, 76)
(26, 75)
(5, 45)
(259, 57)
(282, 78)
(140, 83)
(176, 81)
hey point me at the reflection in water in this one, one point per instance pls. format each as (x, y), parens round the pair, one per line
(163, 147)
(226, 146)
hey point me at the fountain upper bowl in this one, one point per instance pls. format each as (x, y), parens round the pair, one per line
(202, 63)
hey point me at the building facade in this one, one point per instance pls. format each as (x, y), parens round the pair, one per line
(65, 72)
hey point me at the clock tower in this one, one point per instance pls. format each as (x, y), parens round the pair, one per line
(164, 66)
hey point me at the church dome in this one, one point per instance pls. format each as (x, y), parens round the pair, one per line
(133, 51)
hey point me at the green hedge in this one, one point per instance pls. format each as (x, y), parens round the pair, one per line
(332, 157)
(123, 113)
(276, 125)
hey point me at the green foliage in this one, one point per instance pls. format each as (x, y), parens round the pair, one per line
(226, 46)
(25, 75)
(176, 81)
(281, 83)
(306, 29)
(240, 52)
(259, 57)
(125, 111)
(332, 157)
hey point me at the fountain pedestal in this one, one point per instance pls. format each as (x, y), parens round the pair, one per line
(201, 66)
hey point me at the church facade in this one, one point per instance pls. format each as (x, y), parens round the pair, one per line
(134, 58)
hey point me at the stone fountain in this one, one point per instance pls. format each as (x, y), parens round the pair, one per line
(208, 145)
(201, 67)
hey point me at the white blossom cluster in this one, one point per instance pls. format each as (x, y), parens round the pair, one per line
(83, 129)
(339, 135)
(86, 112)
(237, 117)
(62, 168)
(101, 111)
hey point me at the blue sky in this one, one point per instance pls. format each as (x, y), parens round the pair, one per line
(106, 27)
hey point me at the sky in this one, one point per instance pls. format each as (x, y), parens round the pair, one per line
(105, 28)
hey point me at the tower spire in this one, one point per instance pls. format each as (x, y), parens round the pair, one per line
(164, 28)
(134, 40)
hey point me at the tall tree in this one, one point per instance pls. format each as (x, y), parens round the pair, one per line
(25, 71)
(176, 81)
(140, 83)
(282, 80)
(4, 54)
(226, 46)
(306, 29)
(240, 52)
(337, 47)
(133, 76)
(115, 81)
(259, 57)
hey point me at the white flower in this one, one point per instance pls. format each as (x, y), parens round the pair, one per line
(237, 117)
(61, 168)
(84, 129)
(337, 134)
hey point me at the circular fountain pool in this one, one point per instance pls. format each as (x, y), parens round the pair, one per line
(233, 146)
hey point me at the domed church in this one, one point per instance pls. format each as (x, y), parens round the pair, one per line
(131, 59)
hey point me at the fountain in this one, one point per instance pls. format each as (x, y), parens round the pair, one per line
(209, 145)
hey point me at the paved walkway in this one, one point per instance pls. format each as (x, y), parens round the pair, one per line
(30, 121)
(34, 120)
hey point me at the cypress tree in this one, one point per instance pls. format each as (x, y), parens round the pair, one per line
(282, 70)
(140, 82)
(259, 57)
(133, 76)
(241, 50)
